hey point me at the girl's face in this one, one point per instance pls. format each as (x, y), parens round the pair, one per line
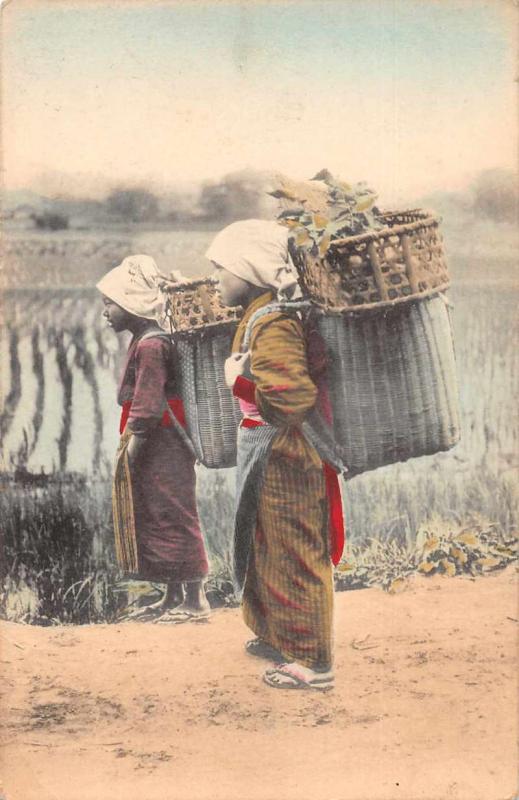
(233, 290)
(117, 317)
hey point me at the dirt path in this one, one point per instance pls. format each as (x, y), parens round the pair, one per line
(424, 707)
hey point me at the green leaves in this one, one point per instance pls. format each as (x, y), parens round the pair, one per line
(378, 563)
(453, 550)
(350, 211)
(441, 548)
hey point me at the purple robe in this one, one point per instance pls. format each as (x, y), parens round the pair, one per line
(169, 542)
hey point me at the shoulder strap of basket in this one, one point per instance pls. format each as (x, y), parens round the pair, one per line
(287, 305)
(181, 431)
(315, 429)
(156, 335)
(176, 424)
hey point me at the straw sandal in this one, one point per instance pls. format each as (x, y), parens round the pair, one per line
(177, 616)
(141, 613)
(294, 676)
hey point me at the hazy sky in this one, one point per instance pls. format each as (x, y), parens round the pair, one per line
(411, 96)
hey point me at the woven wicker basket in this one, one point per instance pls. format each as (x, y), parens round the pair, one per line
(392, 377)
(196, 306)
(392, 383)
(377, 269)
(204, 331)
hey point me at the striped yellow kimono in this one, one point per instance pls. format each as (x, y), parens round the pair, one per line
(288, 589)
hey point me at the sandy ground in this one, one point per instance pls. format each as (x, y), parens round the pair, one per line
(424, 706)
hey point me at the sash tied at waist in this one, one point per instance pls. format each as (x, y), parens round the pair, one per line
(175, 404)
(333, 495)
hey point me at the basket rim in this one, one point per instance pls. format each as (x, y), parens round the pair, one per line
(428, 218)
(171, 285)
(362, 307)
(206, 327)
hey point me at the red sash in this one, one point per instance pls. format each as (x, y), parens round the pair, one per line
(175, 404)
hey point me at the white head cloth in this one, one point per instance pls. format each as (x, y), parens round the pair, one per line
(257, 251)
(135, 286)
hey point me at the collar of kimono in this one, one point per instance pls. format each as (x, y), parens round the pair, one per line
(259, 302)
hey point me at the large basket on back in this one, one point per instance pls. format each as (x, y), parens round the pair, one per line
(386, 325)
(385, 321)
(203, 331)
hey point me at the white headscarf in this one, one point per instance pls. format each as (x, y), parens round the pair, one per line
(257, 251)
(135, 286)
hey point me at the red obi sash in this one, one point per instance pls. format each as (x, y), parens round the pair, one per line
(333, 495)
(175, 404)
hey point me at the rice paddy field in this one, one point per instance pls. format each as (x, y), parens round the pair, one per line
(59, 365)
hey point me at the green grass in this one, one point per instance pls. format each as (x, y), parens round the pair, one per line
(58, 563)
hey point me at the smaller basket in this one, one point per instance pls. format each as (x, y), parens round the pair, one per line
(403, 261)
(203, 329)
(196, 306)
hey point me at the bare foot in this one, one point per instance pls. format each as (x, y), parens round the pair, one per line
(194, 608)
(195, 601)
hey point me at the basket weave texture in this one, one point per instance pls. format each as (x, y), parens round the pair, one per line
(212, 413)
(196, 305)
(203, 330)
(401, 262)
(392, 377)
(392, 383)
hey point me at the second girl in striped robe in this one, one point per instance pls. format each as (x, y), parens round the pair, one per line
(287, 498)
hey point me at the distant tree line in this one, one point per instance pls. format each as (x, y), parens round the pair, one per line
(239, 195)
(496, 195)
(50, 221)
(243, 194)
(134, 205)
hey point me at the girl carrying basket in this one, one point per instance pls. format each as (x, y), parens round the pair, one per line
(157, 531)
(288, 522)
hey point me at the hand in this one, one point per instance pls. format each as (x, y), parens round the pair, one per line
(236, 365)
(134, 449)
